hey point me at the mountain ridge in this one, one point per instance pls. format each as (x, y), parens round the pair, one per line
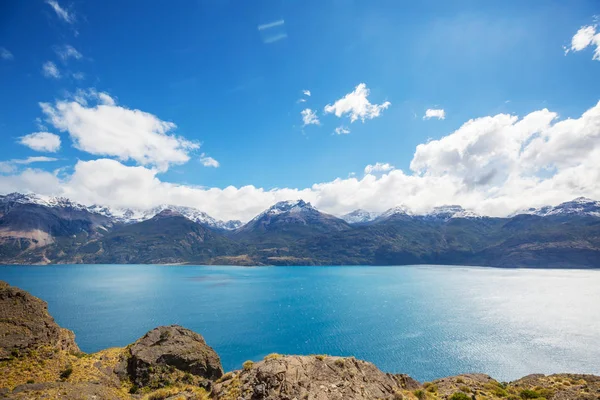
(296, 233)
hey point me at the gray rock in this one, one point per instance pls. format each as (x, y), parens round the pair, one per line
(165, 349)
(312, 377)
(25, 324)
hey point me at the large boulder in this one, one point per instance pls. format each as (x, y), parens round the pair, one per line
(312, 377)
(156, 357)
(25, 324)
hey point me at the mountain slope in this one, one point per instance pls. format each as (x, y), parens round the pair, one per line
(295, 233)
(168, 237)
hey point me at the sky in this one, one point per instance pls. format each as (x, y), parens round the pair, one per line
(229, 106)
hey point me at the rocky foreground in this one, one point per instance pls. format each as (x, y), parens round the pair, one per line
(40, 360)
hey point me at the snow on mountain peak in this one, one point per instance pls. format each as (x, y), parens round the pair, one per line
(289, 206)
(359, 216)
(582, 206)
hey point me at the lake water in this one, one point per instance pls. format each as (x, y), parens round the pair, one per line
(427, 321)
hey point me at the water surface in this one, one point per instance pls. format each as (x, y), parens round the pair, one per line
(427, 321)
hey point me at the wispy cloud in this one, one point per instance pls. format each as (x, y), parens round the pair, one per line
(61, 12)
(50, 70)
(306, 92)
(276, 38)
(67, 51)
(209, 161)
(270, 25)
(309, 117)
(272, 32)
(435, 113)
(5, 54)
(342, 130)
(12, 165)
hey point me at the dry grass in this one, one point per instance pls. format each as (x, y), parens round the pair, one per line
(41, 365)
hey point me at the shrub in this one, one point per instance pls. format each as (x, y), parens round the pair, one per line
(30, 381)
(398, 396)
(320, 357)
(248, 365)
(66, 373)
(340, 362)
(460, 396)
(272, 356)
(420, 394)
(530, 394)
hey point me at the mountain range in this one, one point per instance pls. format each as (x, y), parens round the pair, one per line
(41, 230)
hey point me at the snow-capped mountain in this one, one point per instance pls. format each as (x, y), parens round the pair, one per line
(403, 212)
(45, 201)
(359, 216)
(449, 212)
(120, 215)
(394, 213)
(581, 206)
(128, 216)
(290, 213)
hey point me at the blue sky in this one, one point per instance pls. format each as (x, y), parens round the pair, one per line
(230, 74)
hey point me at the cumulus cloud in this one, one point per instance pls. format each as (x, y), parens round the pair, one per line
(208, 161)
(66, 52)
(378, 167)
(61, 12)
(306, 92)
(50, 70)
(341, 130)
(309, 117)
(5, 54)
(41, 141)
(586, 36)
(356, 105)
(494, 165)
(107, 129)
(435, 113)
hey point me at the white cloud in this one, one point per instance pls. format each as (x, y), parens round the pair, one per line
(79, 76)
(104, 98)
(61, 12)
(10, 166)
(107, 129)
(309, 117)
(271, 25)
(67, 51)
(494, 165)
(435, 113)
(275, 38)
(50, 70)
(209, 161)
(342, 130)
(378, 167)
(5, 54)
(306, 92)
(41, 141)
(586, 36)
(356, 105)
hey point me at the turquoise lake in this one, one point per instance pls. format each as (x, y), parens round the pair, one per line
(427, 321)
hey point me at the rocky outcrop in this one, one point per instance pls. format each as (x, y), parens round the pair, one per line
(312, 377)
(167, 348)
(25, 324)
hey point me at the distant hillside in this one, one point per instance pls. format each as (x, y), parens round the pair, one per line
(43, 231)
